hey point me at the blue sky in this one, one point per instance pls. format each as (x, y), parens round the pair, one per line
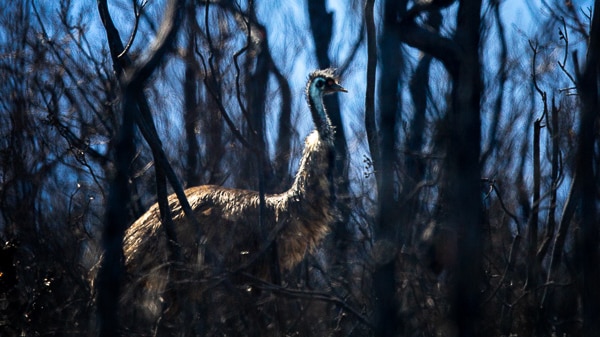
(295, 56)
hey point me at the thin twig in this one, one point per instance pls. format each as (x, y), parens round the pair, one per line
(534, 48)
(564, 35)
(138, 13)
(307, 294)
(509, 264)
(234, 129)
(502, 204)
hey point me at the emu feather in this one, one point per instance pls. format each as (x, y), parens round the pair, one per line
(297, 219)
(230, 217)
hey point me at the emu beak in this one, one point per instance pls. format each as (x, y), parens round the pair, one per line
(336, 87)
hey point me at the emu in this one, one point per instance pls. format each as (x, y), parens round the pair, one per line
(298, 218)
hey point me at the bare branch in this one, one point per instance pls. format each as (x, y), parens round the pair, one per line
(312, 295)
(564, 35)
(442, 48)
(138, 13)
(161, 45)
(232, 127)
(370, 124)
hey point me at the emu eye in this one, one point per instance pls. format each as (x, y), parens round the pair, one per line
(329, 82)
(319, 84)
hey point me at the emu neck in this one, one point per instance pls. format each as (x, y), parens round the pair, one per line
(319, 115)
(315, 175)
(308, 208)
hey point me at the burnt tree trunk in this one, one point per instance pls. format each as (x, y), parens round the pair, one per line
(463, 168)
(387, 322)
(135, 110)
(588, 250)
(461, 194)
(190, 90)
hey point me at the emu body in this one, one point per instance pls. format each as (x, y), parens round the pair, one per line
(297, 219)
(229, 218)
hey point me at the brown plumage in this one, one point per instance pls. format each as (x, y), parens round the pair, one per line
(297, 219)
